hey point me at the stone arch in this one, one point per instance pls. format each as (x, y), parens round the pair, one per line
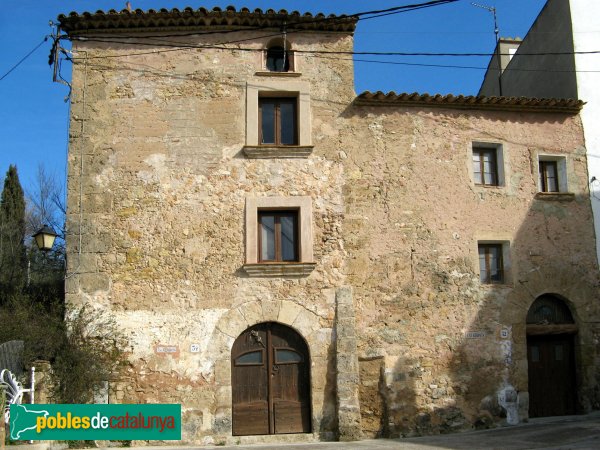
(235, 321)
(549, 309)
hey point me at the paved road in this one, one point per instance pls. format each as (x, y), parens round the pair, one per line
(572, 432)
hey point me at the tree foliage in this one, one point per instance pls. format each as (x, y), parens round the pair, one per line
(13, 259)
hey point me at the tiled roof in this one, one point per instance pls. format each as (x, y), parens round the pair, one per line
(189, 18)
(571, 106)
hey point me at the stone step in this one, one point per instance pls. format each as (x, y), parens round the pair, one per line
(299, 438)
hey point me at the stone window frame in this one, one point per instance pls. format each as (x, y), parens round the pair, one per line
(507, 268)
(562, 165)
(278, 88)
(501, 163)
(293, 60)
(305, 264)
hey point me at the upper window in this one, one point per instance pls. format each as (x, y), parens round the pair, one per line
(279, 56)
(552, 173)
(491, 264)
(278, 236)
(548, 176)
(278, 121)
(485, 166)
(277, 59)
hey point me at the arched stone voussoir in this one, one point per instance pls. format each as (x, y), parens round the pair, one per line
(319, 341)
(252, 312)
(561, 283)
(270, 309)
(306, 322)
(232, 323)
(220, 346)
(288, 312)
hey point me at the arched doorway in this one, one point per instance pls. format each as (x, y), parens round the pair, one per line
(270, 377)
(551, 358)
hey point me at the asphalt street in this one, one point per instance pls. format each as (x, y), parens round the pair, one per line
(569, 432)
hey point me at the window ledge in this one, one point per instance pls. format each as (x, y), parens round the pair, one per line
(291, 269)
(490, 186)
(503, 285)
(555, 196)
(267, 73)
(277, 151)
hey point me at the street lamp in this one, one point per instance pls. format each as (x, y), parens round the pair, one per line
(44, 238)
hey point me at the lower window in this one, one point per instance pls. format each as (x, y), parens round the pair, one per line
(491, 265)
(278, 236)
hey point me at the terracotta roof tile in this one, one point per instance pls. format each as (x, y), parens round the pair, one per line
(187, 18)
(379, 98)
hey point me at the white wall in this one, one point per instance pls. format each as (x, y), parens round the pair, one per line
(586, 37)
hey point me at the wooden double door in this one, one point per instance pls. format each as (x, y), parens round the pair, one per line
(270, 374)
(552, 387)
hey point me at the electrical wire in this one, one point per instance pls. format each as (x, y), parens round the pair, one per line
(287, 26)
(24, 58)
(220, 46)
(292, 24)
(408, 9)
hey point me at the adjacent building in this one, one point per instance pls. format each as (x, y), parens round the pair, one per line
(286, 257)
(558, 59)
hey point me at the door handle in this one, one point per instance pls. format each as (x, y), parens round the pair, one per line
(275, 369)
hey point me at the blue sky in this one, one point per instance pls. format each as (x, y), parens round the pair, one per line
(33, 122)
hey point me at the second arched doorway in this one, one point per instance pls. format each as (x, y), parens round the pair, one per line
(551, 358)
(270, 377)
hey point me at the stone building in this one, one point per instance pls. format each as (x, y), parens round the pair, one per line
(289, 258)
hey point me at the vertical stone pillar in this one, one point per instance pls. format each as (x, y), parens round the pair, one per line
(347, 381)
(43, 386)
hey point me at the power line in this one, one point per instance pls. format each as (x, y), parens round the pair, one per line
(408, 8)
(451, 66)
(180, 46)
(24, 58)
(379, 13)
(401, 63)
(292, 24)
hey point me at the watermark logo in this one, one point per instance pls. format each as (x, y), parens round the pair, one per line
(95, 422)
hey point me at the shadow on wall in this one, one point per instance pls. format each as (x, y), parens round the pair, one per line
(462, 346)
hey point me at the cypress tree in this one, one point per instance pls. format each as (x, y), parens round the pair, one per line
(13, 259)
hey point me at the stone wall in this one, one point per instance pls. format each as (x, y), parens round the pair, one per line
(157, 189)
(156, 156)
(412, 223)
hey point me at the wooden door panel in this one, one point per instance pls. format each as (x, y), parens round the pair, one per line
(250, 418)
(551, 375)
(291, 417)
(249, 379)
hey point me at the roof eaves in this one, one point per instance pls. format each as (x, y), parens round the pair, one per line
(187, 18)
(567, 106)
